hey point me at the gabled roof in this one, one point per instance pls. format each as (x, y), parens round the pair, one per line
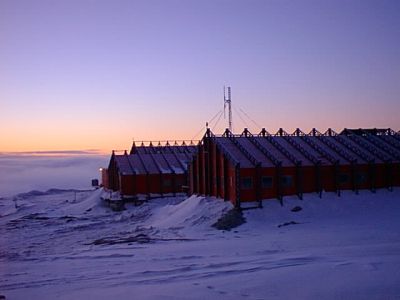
(155, 159)
(350, 147)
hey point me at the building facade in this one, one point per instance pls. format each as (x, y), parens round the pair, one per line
(247, 167)
(149, 171)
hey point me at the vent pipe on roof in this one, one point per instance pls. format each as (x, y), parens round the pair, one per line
(246, 132)
(263, 132)
(208, 132)
(280, 131)
(133, 149)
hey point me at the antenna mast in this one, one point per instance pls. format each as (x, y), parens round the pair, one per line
(227, 101)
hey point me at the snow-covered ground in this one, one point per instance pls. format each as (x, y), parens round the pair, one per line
(55, 247)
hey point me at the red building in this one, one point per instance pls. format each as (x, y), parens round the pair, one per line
(150, 171)
(250, 168)
(247, 167)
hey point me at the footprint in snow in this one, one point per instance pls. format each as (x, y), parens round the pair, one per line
(222, 292)
(371, 266)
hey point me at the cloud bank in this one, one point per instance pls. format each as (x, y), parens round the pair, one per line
(23, 172)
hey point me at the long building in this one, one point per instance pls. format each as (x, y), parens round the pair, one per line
(149, 171)
(247, 167)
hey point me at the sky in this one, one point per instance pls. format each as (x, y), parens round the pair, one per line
(84, 74)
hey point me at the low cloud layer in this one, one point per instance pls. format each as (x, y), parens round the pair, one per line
(42, 171)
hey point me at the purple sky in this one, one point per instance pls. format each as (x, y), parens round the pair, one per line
(95, 74)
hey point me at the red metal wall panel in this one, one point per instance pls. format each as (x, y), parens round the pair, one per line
(396, 174)
(127, 185)
(167, 184)
(249, 193)
(104, 178)
(191, 179)
(381, 176)
(309, 179)
(345, 172)
(213, 167)
(230, 187)
(363, 178)
(290, 187)
(197, 174)
(222, 180)
(113, 175)
(202, 177)
(328, 178)
(154, 184)
(141, 184)
(269, 192)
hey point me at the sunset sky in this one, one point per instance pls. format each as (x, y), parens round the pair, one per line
(82, 74)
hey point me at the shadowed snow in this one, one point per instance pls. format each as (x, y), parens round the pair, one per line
(56, 246)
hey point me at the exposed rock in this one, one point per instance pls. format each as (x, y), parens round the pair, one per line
(288, 223)
(296, 209)
(230, 220)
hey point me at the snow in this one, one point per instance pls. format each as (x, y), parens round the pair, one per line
(191, 212)
(66, 245)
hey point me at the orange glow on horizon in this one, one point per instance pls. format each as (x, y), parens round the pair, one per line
(104, 135)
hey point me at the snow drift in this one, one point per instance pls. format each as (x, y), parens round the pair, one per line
(193, 211)
(56, 247)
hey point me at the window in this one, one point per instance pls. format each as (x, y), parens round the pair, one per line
(266, 182)
(167, 183)
(247, 183)
(343, 178)
(179, 182)
(361, 178)
(287, 181)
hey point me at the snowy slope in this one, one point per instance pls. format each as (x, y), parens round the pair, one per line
(56, 247)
